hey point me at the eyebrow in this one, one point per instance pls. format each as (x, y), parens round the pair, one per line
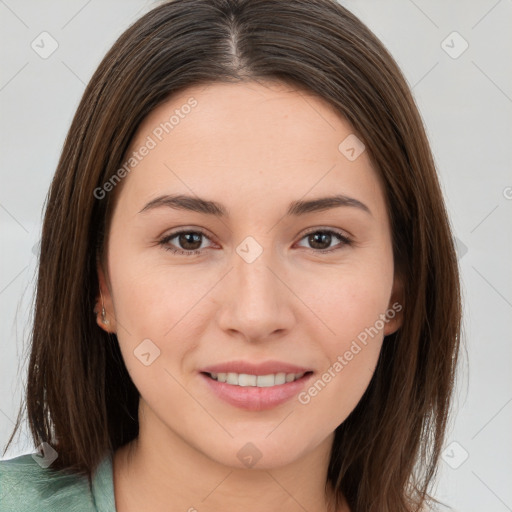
(296, 208)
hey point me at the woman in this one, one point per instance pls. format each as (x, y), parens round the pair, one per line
(248, 294)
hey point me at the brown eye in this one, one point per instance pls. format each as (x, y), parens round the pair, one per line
(189, 240)
(187, 243)
(321, 239)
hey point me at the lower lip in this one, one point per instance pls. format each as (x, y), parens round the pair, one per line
(253, 398)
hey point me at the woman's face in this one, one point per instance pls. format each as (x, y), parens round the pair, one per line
(265, 285)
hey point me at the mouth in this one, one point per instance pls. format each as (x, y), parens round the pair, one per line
(259, 381)
(255, 387)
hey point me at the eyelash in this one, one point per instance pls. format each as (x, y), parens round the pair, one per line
(164, 241)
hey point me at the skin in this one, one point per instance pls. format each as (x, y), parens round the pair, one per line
(254, 148)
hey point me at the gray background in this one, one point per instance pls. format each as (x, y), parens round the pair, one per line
(466, 103)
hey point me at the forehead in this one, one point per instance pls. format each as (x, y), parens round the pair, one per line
(247, 143)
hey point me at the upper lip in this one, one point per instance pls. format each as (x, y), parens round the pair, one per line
(264, 368)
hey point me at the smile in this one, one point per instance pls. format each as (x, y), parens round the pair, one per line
(255, 392)
(260, 381)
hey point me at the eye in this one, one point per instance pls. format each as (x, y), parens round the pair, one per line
(320, 239)
(189, 240)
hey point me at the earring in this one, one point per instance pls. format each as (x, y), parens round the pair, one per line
(104, 318)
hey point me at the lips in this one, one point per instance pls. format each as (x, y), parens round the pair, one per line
(255, 387)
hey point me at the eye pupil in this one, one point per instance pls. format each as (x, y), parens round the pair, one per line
(320, 237)
(185, 239)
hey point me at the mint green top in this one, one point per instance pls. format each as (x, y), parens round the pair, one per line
(25, 486)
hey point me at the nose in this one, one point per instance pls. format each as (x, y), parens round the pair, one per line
(255, 301)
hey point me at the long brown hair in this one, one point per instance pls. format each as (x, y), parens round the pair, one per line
(80, 398)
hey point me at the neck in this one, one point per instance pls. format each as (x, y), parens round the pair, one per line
(160, 471)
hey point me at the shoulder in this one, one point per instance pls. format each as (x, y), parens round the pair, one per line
(27, 486)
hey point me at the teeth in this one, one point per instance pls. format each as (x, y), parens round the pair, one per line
(260, 381)
(232, 378)
(280, 378)
(265, 381)
(247, 380)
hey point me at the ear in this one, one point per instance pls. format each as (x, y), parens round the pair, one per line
(110, 324)
(395, 311)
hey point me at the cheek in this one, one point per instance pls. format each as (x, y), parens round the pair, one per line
(351, 304)
(150, 296)
(351, 307)
(160, 302)
(330, 397)
(151, 303)
(346, 300)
